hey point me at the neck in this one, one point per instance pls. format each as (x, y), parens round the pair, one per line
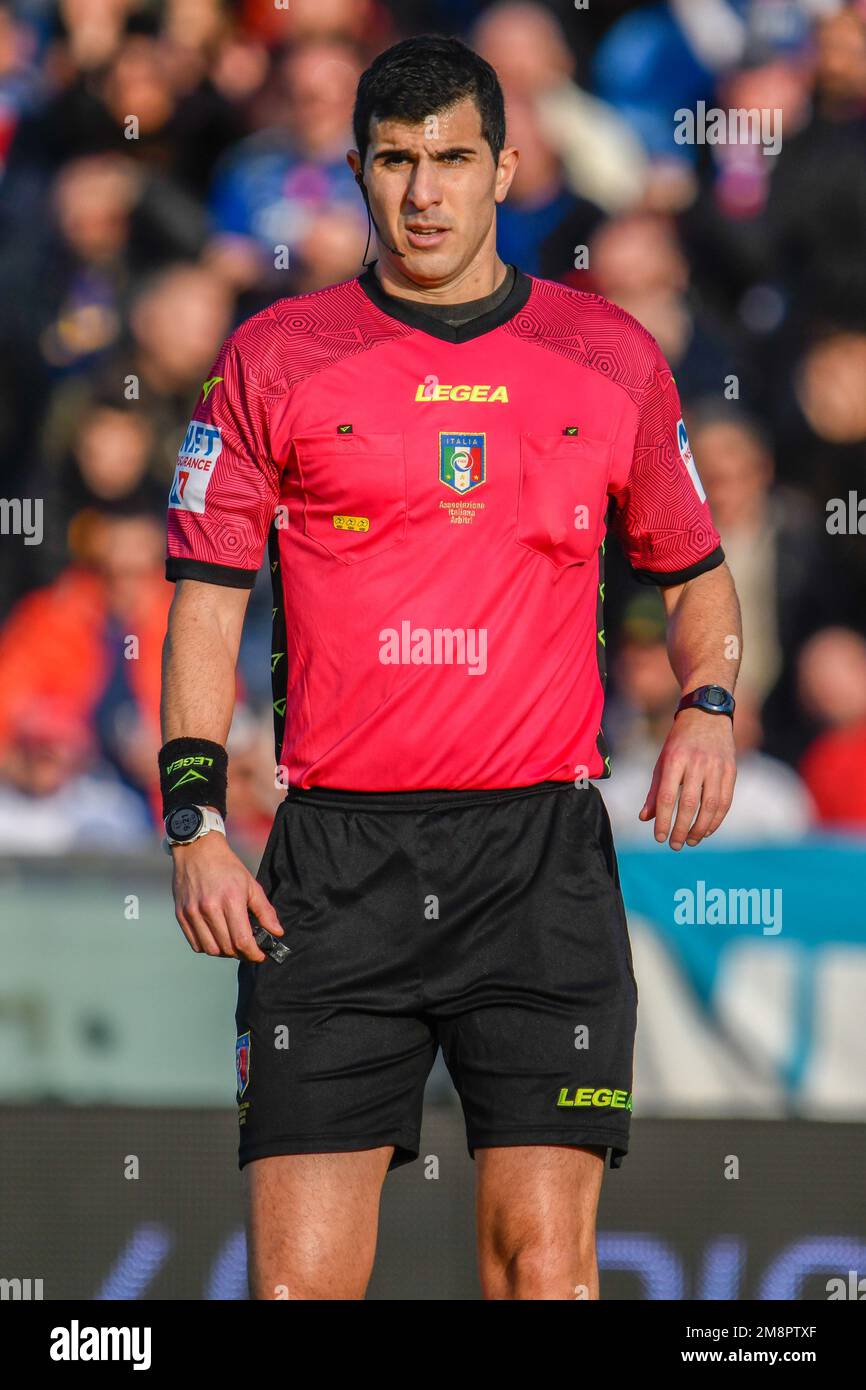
(475, 281)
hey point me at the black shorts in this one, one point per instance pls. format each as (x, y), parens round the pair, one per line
(490, 923)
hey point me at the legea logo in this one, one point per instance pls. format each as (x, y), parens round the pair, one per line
(433, 390)
(437, 646)
(600, 1096)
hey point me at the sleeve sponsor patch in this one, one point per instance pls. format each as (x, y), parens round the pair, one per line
(688, 459)
(199, 452)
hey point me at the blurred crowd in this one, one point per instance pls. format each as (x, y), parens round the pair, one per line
(167, 169)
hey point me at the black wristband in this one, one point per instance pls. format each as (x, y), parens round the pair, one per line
(193, 771)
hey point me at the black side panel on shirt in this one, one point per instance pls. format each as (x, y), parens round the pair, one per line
(279, 645)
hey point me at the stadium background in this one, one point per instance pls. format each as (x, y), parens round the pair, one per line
(128, 249)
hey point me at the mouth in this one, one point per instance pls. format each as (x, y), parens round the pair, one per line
(424, 234)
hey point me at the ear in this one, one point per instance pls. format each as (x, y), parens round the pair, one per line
(505, 171)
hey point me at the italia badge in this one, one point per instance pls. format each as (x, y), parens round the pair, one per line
(242, 1062)
(462, 461)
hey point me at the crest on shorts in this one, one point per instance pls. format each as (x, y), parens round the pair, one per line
(242, 1062)
(462, 461)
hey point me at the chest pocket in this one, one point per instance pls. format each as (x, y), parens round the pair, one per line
(354, 492)
(563, 496)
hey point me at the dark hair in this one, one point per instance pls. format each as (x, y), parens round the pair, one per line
(420, 76)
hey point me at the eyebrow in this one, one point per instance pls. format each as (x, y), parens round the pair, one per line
(436, 154)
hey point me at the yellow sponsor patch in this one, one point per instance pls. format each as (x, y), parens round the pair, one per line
(351, 523)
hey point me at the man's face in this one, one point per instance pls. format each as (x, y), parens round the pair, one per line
(433, 189)
(735, 471)
(321, 81)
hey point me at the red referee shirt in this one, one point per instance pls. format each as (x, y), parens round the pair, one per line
(434, 501)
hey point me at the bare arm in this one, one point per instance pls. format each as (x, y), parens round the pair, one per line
(213, 889)
(199, 659)
(698, 763)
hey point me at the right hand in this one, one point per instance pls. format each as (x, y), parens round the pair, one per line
(213, 894)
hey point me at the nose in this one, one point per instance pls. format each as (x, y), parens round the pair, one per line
(424, 189)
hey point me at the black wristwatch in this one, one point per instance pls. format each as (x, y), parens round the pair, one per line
(712, 698)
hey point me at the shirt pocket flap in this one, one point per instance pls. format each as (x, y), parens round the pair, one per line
(563, 496)
(354, 492)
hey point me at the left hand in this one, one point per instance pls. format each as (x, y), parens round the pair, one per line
(697, 764)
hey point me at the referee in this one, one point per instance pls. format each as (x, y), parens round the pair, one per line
(429, 451)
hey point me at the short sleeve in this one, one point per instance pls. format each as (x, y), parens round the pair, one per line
(225, 487)
(661, 515)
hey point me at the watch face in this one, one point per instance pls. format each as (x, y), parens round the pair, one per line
(183, 823)
(715, 695)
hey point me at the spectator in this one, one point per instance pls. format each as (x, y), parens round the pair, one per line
(770, 802)
(253, 792)
(603, 160)
(832, 678)
(817, 205)
(638, 718)
(208, 48)
(90, 34)
(727, 231)
(125, 93)
(178, 318)
(833, 688)
(111, 224)
(637, 262)
(53, 799)
(269, 189)
(820, 423)
(18, 75)
(110, 460)
(362, 22)
(659, 58)
(542, 222)
(834, 770)
(75, 268)
(771, 539)
(91, 642)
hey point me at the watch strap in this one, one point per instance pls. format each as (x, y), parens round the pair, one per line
(714, 699)
(211, 820)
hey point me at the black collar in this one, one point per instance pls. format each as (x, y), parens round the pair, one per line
(409, 311)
